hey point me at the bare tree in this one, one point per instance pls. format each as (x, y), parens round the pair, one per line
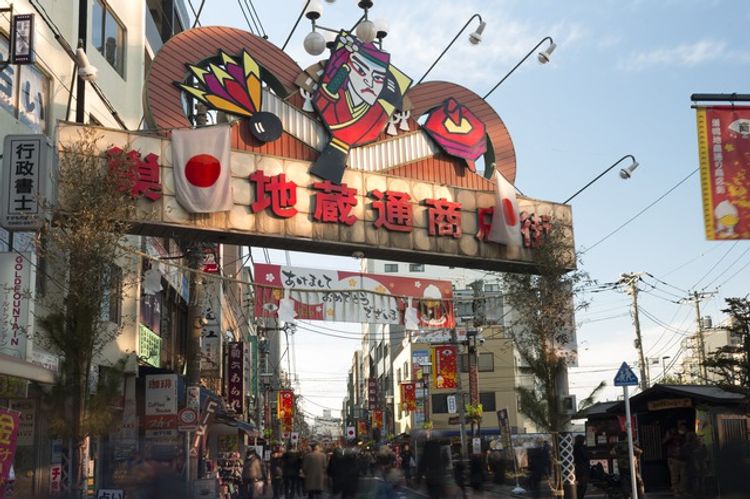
(80, 248)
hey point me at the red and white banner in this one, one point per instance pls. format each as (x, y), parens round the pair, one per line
(201, 165)
(724, 149)
(506, 219)
(285, 409)
(287, 293)
(409, 396)
(446, 363)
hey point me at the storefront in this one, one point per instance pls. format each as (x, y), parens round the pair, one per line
(718, 417)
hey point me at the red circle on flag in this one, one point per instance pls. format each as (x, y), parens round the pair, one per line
(202, 170)
(509, 212)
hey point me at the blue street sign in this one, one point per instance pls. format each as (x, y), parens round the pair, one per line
(625, 376)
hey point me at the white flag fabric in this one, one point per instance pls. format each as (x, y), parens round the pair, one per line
(202, 175)
(506, 221)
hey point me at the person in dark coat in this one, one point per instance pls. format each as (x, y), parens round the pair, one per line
(277, 472)
(539, 464)
(291, 464)
(406, 463)
(583, 468)
(477, 473)
(433, 465)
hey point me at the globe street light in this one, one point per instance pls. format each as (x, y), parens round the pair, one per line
(625, 173)
(475, 37)
(542, 57)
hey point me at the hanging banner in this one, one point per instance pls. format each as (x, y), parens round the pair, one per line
(372, 392)
(287, 293)
(409, 396)
(285, 408)
(211, 343)
(724, 151)
(9, 423)
(236, 377)
(445, 366)
(16, 304)
(377, 419)
(361, 428)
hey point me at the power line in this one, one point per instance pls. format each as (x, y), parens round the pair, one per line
(628, 221)
(736, 260)
(721, 259)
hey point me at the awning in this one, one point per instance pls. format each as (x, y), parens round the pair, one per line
(11, 366)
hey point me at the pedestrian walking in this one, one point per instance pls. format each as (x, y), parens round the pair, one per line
(277, 472)
(673, 442)
(539, 464)
(252, 475)
(628, 464)
(433, 466)
(582, 465)
(291, 466)
(314, 470)
(696, 456)
(407, 463)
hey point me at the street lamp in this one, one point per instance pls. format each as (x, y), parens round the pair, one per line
(542, 57)
(625, 173)
(475, 38)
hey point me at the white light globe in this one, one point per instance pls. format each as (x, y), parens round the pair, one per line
(366, 31)
(314, 43)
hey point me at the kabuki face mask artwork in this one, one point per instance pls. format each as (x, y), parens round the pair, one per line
(356, 95)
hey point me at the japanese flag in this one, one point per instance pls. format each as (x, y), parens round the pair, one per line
(506, 221)
(202, 176)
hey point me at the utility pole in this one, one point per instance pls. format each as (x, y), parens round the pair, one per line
(631, 280)
(461, 403)
(696, 298)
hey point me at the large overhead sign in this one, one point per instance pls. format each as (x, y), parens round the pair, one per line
(277, 203)
(724, 149)
(289, 293)
(312, 160)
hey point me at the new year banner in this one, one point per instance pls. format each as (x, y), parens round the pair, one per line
(285, 408)
(409, 396)
(724, 150)
(445, 366)
(289, 293)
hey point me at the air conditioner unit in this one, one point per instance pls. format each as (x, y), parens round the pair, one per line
(569, 405)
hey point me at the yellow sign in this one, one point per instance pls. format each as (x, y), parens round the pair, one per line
(664, 404)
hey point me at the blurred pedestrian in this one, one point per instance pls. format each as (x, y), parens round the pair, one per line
(291, 466)
(277, 471)
(252, 475)
(673, 442)
(539, 464)
(407, 463)
(314, 470)
(581, 460)
(697, 464)
(628, 464)
(433, 466)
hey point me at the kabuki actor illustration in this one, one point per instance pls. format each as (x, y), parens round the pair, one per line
(355, 98)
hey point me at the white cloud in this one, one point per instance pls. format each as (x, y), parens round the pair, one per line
(683, 55)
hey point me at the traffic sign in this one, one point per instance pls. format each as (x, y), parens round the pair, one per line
(625, 376)
(187, 419)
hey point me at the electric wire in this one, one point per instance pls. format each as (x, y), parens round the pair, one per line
(721, 259)
(631, 219)
(247, 21)
(736, 260)
(198, 15)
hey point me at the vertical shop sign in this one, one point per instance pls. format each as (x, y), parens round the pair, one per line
(248, 366)
(26, 409)
(161, 402)
(236, 377)
(409, 396)
(285, 409)
(372, 392)
(9, 422)
(211, 344)
(25, 181)
(16, 308)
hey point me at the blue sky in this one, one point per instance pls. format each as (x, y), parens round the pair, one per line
(619, 83)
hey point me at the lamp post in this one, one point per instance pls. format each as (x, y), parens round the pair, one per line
(542, 57)
(475, 38)
(625, 173)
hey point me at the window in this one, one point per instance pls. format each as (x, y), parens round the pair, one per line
(406, 370)
(487, 399)
(108, 35)
(24, 92)
(112, 299)
(391, 267)
(485, 362)
(398, 375)
(439, 403)
(416, 267)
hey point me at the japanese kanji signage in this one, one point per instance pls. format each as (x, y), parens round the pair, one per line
(25, 181)
(445, 362)
(724, 149)
(287, 293)
(372, 392)
(149, 346)
(408, 396)
(211, 335)
(8, 432)
(277, 203)
(16, 306)
(235, 381)
(161, 402)
(285, 409)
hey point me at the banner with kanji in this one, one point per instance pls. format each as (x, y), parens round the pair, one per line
(285, 408)
(361, 428)
(409, 396)
(9, 424)
(377, 419)
(445, 362)
(724, 150)
(236, 377)
(288, 293)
